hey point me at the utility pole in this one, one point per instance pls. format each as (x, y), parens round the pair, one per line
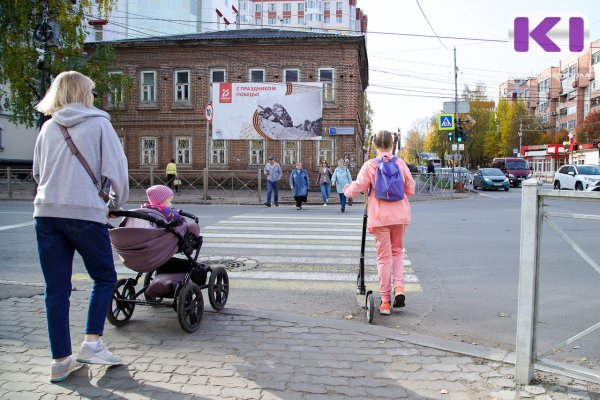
(520, 136)
(456, 113)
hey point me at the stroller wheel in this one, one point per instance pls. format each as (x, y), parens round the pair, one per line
(218, 288)
(190, 306)
(147, 279)
(120, 312)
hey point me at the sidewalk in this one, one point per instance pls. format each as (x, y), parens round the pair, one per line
(244, 354)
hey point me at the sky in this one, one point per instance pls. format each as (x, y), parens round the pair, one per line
(411, 77)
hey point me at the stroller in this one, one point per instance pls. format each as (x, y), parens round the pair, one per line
(147, 243)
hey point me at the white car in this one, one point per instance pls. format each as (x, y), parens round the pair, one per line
(576, 177)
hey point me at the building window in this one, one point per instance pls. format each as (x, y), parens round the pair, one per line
(256, 75)
(571, 124)
(98, 33)
(287, 21)
(300, 20)
(596, 58)
(291, 75)
(338, 5)
(272, 6)
(327, 20)
(258, 22)
(148, 151)
(272, 21)
(325, 151)
(257, 152)
(148, 87)
(182, 85)
(218, 151)
(115, 89)
(327, 6)
(571, 110)
(290, 152)
(326, 76)
(287, 6)
(300, 6)
(258, 7)
(339, 20)
(183, 150)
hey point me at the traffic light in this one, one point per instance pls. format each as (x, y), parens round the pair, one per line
(450, 136)
(459, 134)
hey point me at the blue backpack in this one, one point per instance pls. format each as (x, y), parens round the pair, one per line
(389, 182)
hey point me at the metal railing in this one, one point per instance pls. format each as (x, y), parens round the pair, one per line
(533, 216)
(439, 183)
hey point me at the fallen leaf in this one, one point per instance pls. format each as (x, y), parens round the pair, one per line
(230, 356)
(381, 341)
(349, 316)
(443, 391)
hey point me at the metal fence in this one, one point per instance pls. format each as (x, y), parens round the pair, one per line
(533, 216)
(440, 183)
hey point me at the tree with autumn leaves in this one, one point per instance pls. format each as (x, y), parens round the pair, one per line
(27, 64)
(589, 130)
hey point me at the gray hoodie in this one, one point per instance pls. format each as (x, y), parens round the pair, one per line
(65, 190)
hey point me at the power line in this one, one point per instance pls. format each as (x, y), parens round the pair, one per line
(433, 30)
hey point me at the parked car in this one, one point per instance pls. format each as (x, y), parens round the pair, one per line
(490, 178)
(576, 177)
(594, 188)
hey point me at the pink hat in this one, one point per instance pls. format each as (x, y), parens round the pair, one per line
(157, 194)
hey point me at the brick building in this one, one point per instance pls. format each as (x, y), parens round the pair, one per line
(164, 117)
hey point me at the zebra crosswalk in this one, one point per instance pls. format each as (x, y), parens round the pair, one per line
(294, 251)
(290, 247)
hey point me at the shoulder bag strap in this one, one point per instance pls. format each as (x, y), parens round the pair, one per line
(86, 166)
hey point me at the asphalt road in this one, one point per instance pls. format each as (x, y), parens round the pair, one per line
(464, 258)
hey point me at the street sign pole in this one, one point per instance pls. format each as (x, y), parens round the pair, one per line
(208, 114)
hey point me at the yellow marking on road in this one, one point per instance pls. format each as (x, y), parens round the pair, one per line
(304, 286)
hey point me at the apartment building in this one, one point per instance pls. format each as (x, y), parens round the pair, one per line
(339, 16)
(561, 96)
(143, 18)
(172, 79)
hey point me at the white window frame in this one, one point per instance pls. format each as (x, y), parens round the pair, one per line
(150, 90)
(301, 20)
(301, 7)
(271, 21)
(251, 70)
(218, 154)
(326, 20)
(258, 7)
(182, 88)
(183, 154)
(291, 155)
(326, 97)
(326, 154)
(115, 92)
(338, 5)
(287, 6)
(291, 69)
(339, 20)
(98, 33)
(326, 6)
(287, 20)
(272, 7)
(257, 150)
(148, 154)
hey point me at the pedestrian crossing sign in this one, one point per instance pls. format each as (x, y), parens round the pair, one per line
(446, 122)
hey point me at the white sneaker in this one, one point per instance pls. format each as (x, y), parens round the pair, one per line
(99, 355)
(324, 204)
(60, 370)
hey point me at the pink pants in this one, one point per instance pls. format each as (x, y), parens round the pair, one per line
(389, 242)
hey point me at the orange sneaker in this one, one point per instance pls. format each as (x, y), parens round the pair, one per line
(385, 308)
(399, 297)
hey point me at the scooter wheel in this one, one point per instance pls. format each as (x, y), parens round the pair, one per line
(370, 306)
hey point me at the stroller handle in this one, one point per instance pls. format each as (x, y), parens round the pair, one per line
(188, 215)
(135, 214)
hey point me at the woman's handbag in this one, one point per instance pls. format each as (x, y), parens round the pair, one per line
(86, 166)
(177, 182)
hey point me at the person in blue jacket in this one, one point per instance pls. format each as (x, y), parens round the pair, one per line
(341, 177)
(299, 184)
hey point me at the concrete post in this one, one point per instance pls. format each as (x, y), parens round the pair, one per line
(259, 188)
(531, 207)
(9, 182)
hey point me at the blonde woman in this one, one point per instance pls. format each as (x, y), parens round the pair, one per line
(70, 215)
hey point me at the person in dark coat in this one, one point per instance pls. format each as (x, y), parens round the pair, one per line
(299, 184)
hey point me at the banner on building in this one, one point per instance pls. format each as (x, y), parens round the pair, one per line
(272, 111)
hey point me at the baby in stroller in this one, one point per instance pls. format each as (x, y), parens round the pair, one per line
(147, 241)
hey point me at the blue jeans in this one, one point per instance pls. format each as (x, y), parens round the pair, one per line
(273, 187)
(58, 239)
(325, 191)
(342, 200)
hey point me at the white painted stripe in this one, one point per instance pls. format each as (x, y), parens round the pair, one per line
(7, 227)
(17, 212)
(311, 218)
(280, 228)
(309, 276)
(283, 246)
(261, 223)
(294, 237)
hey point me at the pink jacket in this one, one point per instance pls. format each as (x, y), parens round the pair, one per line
(383, 213)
